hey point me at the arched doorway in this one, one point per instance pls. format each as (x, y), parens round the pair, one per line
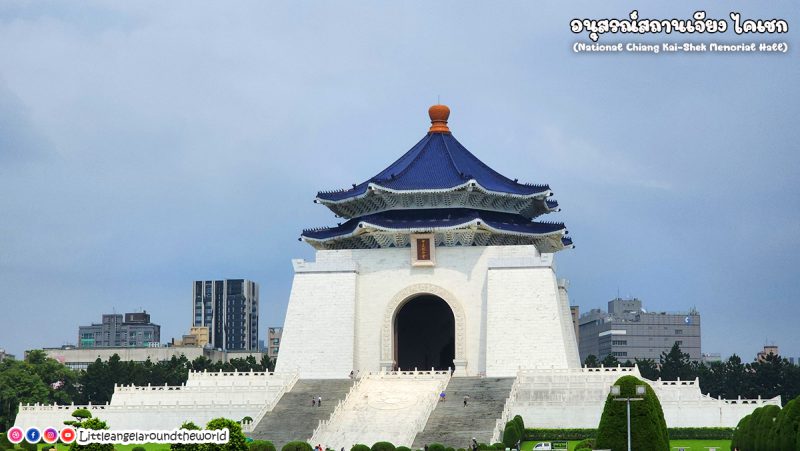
(424, 334)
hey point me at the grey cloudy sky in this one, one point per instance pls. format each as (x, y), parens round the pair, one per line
(144, 145)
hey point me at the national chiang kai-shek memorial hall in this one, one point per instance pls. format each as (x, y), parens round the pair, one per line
(439, 277)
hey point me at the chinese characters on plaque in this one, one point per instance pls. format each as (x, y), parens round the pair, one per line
(422, 249)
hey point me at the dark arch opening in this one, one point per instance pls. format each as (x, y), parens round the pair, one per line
(425, 334)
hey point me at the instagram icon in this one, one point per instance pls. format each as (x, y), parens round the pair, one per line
(50, 435)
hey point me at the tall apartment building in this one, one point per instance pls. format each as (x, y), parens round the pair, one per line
(629, 332)
(274, 342)
(115, 330)
(229, 308)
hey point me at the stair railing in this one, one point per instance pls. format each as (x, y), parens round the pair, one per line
(500, 424)
(323, 423)
(419, 425)
(249, 426)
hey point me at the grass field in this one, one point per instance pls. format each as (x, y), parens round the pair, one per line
(693, 445)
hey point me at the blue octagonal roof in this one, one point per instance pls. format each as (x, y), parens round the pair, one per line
(438, 162)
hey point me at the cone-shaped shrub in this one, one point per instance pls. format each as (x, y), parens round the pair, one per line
(648, 428)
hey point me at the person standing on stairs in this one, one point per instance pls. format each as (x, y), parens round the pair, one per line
(466, 398)
(319, 401)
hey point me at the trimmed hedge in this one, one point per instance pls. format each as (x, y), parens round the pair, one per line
(383, 446)
(303, 446)
(358, 447)
(511, 434)
(436, 447)
(534, 434)
(586, 444)
(402, 448)
(650, 432)
(261, 445)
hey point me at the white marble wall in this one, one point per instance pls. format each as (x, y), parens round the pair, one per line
(355, 294)
(575, 399)
(204, 397)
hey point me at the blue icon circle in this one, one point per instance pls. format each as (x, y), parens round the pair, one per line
(33, 435)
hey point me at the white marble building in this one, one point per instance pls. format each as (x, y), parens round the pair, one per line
(440, 265)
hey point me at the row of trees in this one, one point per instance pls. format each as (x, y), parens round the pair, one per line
(769, 428)
(40, 379)
(728, 379)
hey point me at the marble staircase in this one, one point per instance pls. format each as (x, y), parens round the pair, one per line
(452, 424)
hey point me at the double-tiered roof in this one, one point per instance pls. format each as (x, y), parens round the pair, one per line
(439, 187)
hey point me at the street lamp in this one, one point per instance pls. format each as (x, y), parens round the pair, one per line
(640, 391)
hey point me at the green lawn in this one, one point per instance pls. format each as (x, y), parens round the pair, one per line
(693, 445)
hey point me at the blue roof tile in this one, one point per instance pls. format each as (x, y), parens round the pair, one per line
(437, 162)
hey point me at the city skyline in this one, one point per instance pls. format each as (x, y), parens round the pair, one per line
(146, 146)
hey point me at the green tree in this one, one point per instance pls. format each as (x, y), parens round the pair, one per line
(19, 383)
(762, 438)
(648, 428)
(610, 361)
(236, 442)
(511, 435)
(304, 446)
(261, 445)
(738, 439)
(648, 368)
(92, 423)
(383, 446)
(356, 447)
(675, 364)
(189, 426)
(591, 361)
(786, 426)
(520, 425)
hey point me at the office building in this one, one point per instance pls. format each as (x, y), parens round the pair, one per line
(4, 355)
(768, 349)
(628, 332)
(229, 309)
(197, 337)
(115, 330)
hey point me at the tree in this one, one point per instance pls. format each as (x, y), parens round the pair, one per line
(511, 435)
(383, 446)
(786, 426)
(236, 441)
(304, 446)
(648, 428)
(189, 426)
(738, 439)
(261, 445)
(762, 438)
(92, 423)
(591, 361)
(609, 361)
(267, 364)
(79, 415)
(675, 364)
(19, 383)
(647, 368)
